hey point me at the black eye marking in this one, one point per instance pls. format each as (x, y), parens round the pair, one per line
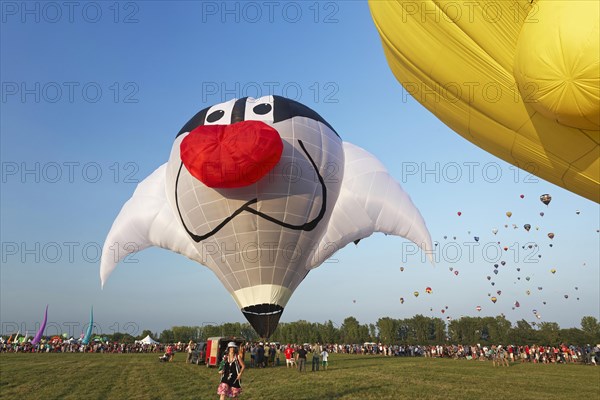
(262, 109)
(215, 116)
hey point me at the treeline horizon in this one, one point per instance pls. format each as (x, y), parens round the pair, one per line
(418, 330)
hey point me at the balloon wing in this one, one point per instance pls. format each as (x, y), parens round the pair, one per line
(145, 220)
(370, 201)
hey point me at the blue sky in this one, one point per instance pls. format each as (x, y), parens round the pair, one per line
(93, 97)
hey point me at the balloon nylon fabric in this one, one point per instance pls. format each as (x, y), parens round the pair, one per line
(516, 78)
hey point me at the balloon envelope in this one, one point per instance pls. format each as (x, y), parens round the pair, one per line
(545, 109)
(227, 200)
(546, 199)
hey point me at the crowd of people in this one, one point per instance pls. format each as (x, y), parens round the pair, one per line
(92, 347)
(264, 355)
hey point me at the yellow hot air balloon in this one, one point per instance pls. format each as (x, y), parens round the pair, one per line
(494, 299)
(520, 79)
(553, 270)
(416, 294)
(509, 214)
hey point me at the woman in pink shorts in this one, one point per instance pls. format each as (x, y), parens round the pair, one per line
(231, 373)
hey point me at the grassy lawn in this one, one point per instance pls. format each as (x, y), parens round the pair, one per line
(133, 376)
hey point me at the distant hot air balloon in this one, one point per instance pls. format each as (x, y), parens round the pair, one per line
(416, 293)
(488, 277)
(527, 278)
(546, 199)
(428, 290)
(551, 235)
(401, 300)
(225, 199)
(459, 213)
(401, 269)
(499, 292)
(577, 212)
(509, 214)
(503, 262)
(496, 271)
(443, 311)
(528, 292)
(494, 300)
(553, 270)
(540, 288)
(566, 296)
(527, 227)
(522, 196)
(451, 269)
(456, 272)
(542, 214)
(505, 248)
(476, 238)
(517, 304)
(535, 311)
(478, 308)
(495, 230)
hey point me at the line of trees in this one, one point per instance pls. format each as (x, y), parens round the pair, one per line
(416, 330)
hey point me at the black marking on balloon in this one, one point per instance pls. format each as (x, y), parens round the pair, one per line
(262, 109)
(283, 109)
(286, 109)
(196, 121)
(238, 113)
(308, 226)
(215, 116)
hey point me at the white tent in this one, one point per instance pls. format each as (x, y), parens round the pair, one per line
(147, 340)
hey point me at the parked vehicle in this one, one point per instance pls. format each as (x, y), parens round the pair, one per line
(216, 347)
(199, 353)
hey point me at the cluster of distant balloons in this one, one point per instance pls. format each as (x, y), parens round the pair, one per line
(545, 199)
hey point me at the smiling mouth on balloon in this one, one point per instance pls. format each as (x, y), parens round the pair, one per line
(308, 226)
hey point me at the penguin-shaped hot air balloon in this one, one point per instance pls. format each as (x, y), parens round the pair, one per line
(261, 191)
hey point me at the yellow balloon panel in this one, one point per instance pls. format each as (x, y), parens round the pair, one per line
(519, 79)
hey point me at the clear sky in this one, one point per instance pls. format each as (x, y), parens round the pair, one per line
(93, 95)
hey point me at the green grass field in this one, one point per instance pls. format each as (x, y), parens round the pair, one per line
(133, 376)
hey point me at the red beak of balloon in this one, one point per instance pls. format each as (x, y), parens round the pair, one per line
(231, 156)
